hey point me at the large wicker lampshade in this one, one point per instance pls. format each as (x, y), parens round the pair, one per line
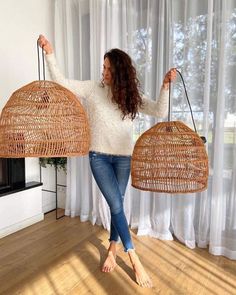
(43, 119)
(170, 157)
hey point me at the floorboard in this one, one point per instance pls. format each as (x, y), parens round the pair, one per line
(64, 256)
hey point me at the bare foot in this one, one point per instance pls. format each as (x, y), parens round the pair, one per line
(142, 277)
(110, 262)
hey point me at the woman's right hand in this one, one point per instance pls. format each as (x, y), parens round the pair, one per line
(45, 44)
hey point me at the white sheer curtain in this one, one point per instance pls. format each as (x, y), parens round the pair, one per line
(199, 38)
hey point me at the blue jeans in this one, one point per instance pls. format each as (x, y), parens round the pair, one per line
(111, 173)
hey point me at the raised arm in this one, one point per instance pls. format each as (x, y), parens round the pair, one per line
(80, 88)
(159, 108)
(45, 44)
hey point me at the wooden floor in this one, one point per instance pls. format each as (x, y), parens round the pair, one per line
(64, 257)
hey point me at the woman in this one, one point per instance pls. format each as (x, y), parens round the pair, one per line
(112, 106)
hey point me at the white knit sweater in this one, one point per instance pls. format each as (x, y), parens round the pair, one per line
(109, 133)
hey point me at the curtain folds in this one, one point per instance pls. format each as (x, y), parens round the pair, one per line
(197, 37)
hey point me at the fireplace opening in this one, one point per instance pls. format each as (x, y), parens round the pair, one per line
(12, 174)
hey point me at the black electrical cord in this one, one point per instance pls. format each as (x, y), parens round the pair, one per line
(39, 62)
(185, 89)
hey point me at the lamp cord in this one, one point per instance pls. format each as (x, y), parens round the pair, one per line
(186, 94)
(186, 97)
(39, 63)
(169, 100)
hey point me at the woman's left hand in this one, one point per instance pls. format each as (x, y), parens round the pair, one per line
(169, 77)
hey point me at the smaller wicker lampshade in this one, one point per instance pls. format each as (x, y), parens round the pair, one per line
(43, 119)
(170, 157)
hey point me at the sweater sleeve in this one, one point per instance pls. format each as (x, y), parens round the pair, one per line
(157, 108)
(80, 88)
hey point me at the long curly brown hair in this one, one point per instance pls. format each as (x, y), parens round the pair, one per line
(125, 84)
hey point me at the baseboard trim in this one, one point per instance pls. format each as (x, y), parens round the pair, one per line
(20, 225)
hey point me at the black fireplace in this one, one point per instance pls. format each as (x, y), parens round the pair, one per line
(12, 174)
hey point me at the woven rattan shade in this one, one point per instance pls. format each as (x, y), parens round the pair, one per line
(170, 157)
(43, 119)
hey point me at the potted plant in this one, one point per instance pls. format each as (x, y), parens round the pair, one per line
(59, 163)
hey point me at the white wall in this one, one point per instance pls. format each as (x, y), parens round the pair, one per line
(21, 21)
(20, 210)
